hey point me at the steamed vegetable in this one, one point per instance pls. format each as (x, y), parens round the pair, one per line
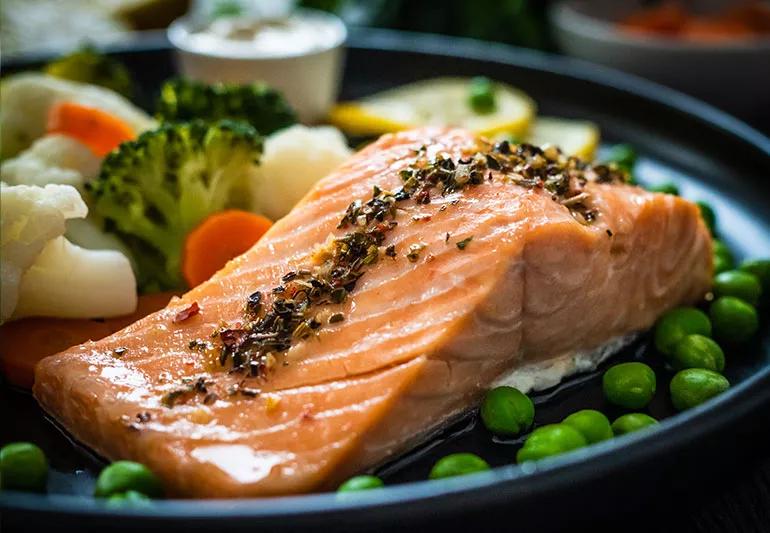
(630, 385)
(52, 159)
(357, 483)
(68, 281)
(592, 424)
(89, 66)
(458, 464)
(735, 320)
(219, 238)
(26, 100)
(550, 440)
(723, 257)
(481, 95)
(258, 104)
(295, 158)
(102, 132)
(23, 466)
(90, 233)
(30, 218)
(631, 422)
(59, 159)
(156, 189)
(697, 351)
(42, 273)
(738, 283)
(507, 411)
(694, 386)
(122, 476)
(676, 324)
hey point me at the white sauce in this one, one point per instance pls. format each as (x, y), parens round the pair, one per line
(539, 376)
(299, 34)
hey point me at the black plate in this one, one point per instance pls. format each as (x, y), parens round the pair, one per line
(710, 155)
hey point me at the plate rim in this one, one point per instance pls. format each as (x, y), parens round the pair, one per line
(504, 483)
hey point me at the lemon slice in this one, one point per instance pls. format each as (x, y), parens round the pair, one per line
(574, 137)
(434, 102)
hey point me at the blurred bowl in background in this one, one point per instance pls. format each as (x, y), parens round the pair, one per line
(301, 55)
(733, 74)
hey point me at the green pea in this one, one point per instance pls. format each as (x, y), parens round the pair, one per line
(357, 483)
(665, 188)
(458, 464)
(507, 411)
(723, 257)
(738, 283)
(694, 386)
(481, 95)
(130, 497)
(734, 320)
(550, 440)
(675, 324)
(23, 466)
(761, 269)
(708, 216)
(122, 476)
(624, 155)
(629, 385)
(697, 351)
(631, 422)
(592, 424)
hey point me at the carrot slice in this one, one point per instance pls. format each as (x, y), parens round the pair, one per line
(98, 130)
(216, 240)
(25, 342)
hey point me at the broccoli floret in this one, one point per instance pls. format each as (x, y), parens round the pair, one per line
(154, 190)
(258, 104)
(89, 66)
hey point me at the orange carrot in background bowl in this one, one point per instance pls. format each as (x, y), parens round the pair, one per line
(95, 128)
(216, 240)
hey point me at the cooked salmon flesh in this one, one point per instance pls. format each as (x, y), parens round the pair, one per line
(429, 266)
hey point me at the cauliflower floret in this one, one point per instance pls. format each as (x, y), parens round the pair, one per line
(89, 233)
(29, 218)
(26, 99)
(58, 159)
(68, 281)
(52, 159)
(32, 220)
(294, 159)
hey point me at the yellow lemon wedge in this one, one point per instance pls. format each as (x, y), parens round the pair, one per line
(574, 137)
(435, 102)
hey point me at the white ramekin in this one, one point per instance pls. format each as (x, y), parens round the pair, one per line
(309, 81)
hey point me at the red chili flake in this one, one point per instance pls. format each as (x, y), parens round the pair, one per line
(188, 312)
(233, 338)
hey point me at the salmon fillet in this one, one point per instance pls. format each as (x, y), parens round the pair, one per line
(489, 271)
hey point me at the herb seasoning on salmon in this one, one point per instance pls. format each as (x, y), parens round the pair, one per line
(344, 259)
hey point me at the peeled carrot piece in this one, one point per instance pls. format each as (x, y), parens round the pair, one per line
(216, 240)
(98, 130)
(25, 342)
